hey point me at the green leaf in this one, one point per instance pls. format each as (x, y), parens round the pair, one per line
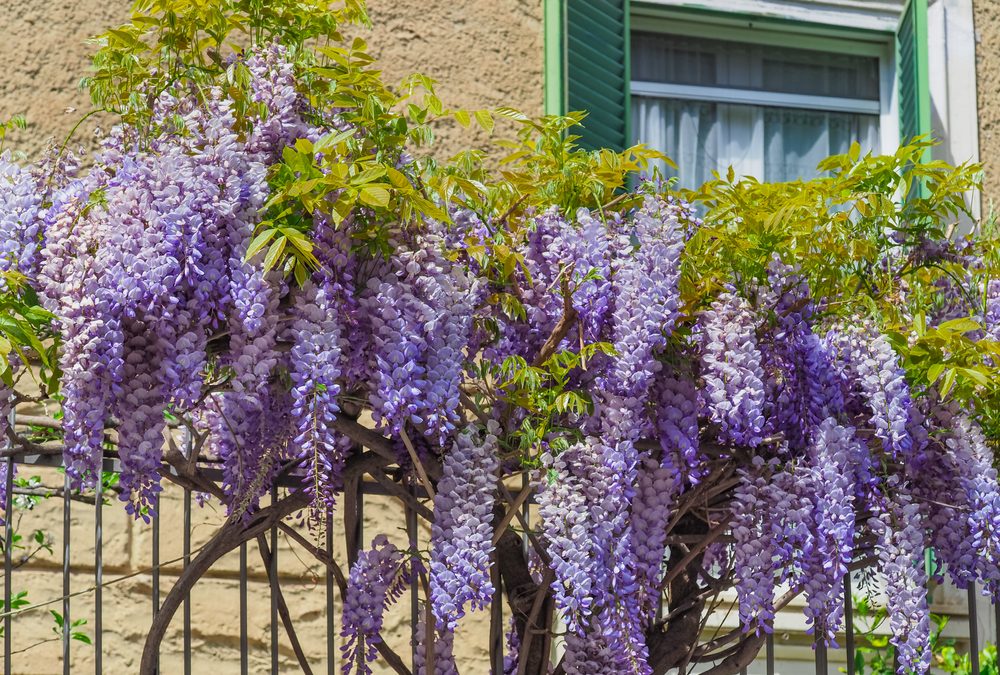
(273, 253)
(259, 242)
(485, 120)
(934, 372)
(462, 117)
(375, 195)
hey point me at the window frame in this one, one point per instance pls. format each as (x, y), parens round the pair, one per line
(833, 39)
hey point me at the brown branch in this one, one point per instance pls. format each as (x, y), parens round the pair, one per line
(390, 656)
(405, 496)
(227, 538)
(22, 420)
(366, 437)
(233, 533)
(746, 652)
(417, 464)
(671, 647)
(521, 591)
(695, 551)
(561, 329)
(512, 511)
(286, 617)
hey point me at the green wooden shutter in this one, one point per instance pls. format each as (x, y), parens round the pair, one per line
(914, 85)
(587, 67)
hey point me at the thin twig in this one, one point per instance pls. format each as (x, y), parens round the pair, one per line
(286, 618)
(417, 464)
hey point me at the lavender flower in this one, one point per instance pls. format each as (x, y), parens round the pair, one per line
(876, 377)
(462, 532)
(731, 370)
(646, 298)
(315, 367)
(376, 581)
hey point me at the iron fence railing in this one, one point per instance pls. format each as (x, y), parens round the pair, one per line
(279, 613)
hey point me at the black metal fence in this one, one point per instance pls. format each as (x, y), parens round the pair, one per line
(279, 612)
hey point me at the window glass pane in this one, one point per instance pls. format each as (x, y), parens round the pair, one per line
(773, 144)
(657, 57)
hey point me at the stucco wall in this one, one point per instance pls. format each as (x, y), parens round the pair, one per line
(987, 21)
(483, 53)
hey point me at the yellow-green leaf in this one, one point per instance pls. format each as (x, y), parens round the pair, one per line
(375, 195)
(273, 253)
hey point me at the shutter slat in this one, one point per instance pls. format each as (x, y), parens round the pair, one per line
(914, 87)
(596, 51)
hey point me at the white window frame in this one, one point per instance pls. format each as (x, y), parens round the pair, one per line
(719, 27)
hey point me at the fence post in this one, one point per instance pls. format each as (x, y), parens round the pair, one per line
(98, 573)
(973, 629)
(8, 567)
(67, 502)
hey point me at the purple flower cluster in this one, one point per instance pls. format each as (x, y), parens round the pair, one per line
(802, 389)
(420, 315)
(876, 378)
(315, 368)
(377, 579)
(676, 419)
(991, 318)
(960, 499)
(655, 494)
(646, 279)
(731, 369)
(462, 532)
(831, 546)
(899, 528)
(21, 198)
(444, 642)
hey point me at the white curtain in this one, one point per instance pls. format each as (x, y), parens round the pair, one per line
(770, 143)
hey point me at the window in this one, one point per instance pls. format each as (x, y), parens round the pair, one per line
(768, 86)
(768, 111)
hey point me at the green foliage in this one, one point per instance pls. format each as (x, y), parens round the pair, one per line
(25, 331)
(177, 42)
(15, 122)
(875, 656)
(863, 234)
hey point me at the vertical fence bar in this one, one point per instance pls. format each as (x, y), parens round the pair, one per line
(411, 534)
(496, 620)
(244, 642)
(273, 574)
(67, 502)
(331, 649)
(996, 622)
(849, 623)
(8, 566)
(820, 658)
(770, 653)
(156, 565)
(187, 596)
(973, 629)
(98, 574)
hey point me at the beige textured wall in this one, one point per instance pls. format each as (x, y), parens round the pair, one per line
(484, 53)
(987, 18)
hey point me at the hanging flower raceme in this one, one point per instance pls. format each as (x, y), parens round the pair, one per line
(444, 642)
(315, 367)
(21, 195)
(874, 377)
(462, 532)
(731, 370)
(377, 579)
(645, 295)
(899, 528)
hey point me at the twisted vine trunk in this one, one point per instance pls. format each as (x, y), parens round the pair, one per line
(228, 538)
